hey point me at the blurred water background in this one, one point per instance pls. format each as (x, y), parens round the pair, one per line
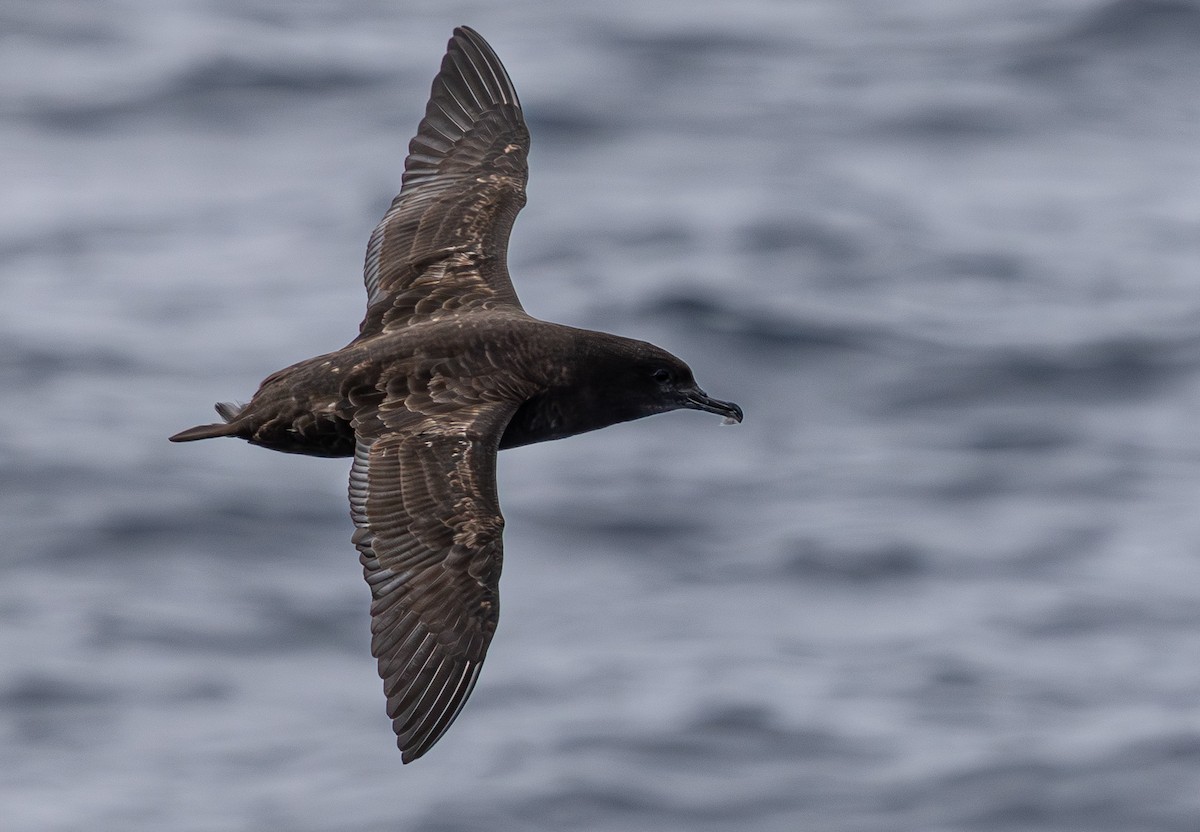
(946, 576)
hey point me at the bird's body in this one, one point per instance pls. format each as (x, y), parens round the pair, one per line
(446, 370)
(310, 407)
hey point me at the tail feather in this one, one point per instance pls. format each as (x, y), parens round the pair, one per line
(228, 411)
(205, 432)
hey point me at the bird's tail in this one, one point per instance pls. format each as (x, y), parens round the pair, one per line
(228, 411)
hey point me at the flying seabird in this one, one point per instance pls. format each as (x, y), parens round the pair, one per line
(446, 370)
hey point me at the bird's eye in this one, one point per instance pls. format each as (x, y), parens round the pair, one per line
(662, 376)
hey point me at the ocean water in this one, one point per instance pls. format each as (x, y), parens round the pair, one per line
(946, 576)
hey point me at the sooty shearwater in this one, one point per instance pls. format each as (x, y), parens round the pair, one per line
(446, 370)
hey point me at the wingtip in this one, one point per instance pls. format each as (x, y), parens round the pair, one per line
(468, 33)
(467, 41)
(461, 35)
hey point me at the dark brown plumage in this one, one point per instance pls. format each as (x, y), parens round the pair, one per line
(446, 370)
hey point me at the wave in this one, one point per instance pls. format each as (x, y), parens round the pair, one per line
(1108, 368)
(942, 121)
(761, 328)
(816, 560)
(32, 365)
(1129, 787)
(205, 85)
(1136, 23)
(716, 770)
(1151, 35)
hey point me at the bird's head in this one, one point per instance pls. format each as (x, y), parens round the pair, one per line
(643, 379)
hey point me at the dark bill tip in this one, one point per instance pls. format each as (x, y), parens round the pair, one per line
(699, 400)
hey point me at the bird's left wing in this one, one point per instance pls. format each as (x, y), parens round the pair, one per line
(429, 536)
(442, 245)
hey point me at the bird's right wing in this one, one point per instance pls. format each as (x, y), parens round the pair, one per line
(443, 243)
(429, 536)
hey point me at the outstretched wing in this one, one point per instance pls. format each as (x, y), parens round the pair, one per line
(429, 538)
(443, 243)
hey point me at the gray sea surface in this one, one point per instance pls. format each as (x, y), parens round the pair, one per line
(946, 576)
